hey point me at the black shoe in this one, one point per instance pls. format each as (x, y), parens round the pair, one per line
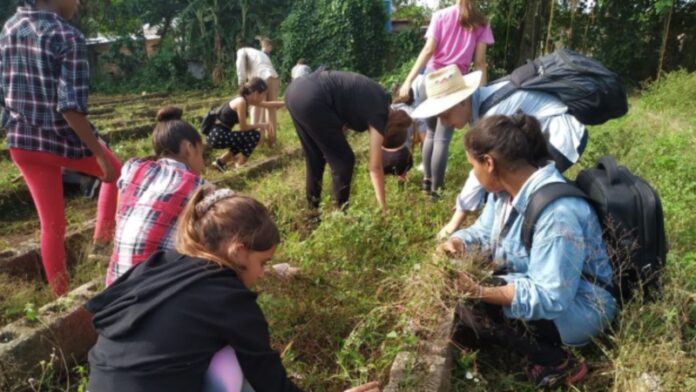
(435, 196)
(219, 165)
(571, 372)
(426, 185)
(91, 188)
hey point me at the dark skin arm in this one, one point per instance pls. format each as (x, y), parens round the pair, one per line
(78, 122)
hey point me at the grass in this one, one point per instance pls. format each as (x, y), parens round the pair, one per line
(20, 223)
(371, 285)
(651, 343)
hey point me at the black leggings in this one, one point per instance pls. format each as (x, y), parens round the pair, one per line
(245, 142)
(480, 325)
(321, 135)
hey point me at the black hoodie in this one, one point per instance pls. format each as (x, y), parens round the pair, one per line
(160, 324)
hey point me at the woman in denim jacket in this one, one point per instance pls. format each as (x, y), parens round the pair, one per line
(541, 301)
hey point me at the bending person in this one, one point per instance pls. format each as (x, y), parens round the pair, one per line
(241, 143)
(456, 35)
(545, 298)
(323, 104)
(567, 137)
(253, 63)
(154, 191)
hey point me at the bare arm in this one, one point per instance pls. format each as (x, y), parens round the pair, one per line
(272, 104)
(480, 63)
(240, 106)
(498, 295)
(423, 58)
(452, 226)
(78, 122)
(375, 166)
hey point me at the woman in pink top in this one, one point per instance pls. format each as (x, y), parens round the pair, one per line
(456, 35)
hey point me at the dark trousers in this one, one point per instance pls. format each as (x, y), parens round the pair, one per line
(320, 130)
(480, 325)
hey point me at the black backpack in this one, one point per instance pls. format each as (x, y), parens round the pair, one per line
(592, 93)
(630, 213)
(209, 120)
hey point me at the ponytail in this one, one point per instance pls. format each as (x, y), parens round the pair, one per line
(469, 16)
(215, 217)
(171, 130)
(253, 85)
(512, 140)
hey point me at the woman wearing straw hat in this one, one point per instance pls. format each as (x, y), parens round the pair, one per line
(322, 105)
(456, 35)
(455, 99)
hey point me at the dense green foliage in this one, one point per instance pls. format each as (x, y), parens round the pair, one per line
(343, 34)
(638, 39)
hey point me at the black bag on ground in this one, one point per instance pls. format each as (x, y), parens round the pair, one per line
(592, 93)
(630, 213)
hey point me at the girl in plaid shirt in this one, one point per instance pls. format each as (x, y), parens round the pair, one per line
(153, 193)
(44, 78)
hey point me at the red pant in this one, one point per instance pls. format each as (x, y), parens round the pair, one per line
(43, 175)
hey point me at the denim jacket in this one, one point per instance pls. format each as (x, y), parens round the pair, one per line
(548, 280)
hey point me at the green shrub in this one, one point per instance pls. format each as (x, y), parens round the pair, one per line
(343, 34)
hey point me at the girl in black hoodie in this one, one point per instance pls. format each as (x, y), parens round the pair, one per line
(173, 322)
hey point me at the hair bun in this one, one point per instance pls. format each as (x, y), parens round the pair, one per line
(169, 113)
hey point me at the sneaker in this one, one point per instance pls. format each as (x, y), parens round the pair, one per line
(434, 196)
(570, 372)
(219, 165)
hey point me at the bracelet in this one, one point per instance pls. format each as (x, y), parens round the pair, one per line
(480, 292)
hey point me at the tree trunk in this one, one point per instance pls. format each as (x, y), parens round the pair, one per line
(165, 29)
(587, 29)
(529, 37)
(665, 38)
(573, 11)
(219, 66)
(507, 33)
(550, 27)
(244, 11)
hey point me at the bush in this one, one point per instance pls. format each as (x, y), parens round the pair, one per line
(342, 34)
(166, 70)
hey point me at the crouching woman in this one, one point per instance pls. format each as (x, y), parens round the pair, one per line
(186, 320)
(545, 298)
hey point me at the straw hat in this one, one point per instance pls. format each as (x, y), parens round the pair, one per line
(445, 88)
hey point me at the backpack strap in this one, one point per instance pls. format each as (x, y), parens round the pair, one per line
(516, 78)
(496, 98)
(538, 201)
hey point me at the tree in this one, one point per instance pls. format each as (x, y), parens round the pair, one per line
(343, 34)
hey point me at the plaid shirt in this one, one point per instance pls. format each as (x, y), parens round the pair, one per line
(43, 73)
(152, 196)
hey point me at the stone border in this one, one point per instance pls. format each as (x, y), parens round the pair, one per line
(63, 327)
(432, 362)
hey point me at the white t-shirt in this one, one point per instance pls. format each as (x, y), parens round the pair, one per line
(253, 63)
(300, 70)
